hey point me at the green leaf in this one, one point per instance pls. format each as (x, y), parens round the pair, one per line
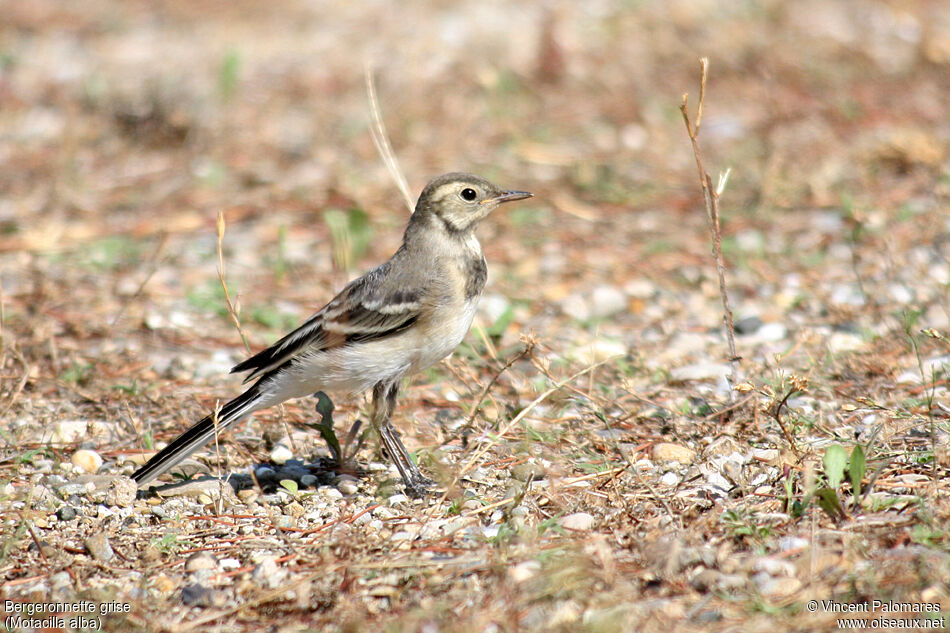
(501, 324)
(289, 485)
(828, 501)
(325, 427)
(835, 460)
(856, 469)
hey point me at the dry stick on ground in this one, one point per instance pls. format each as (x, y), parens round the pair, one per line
(711, 199)
(527, 350)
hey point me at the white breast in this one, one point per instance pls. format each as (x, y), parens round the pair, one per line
(450, 325)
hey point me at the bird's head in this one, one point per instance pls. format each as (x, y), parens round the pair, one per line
(461, 201)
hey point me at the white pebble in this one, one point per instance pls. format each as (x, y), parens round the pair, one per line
(772, 332)
(580, 521)
(670, 479)
(398, 499)
(700, 371)
(87, 461)
(280, 454)
(524, 571)
(607, 301)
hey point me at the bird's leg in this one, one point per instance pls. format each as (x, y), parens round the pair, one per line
(384, 401)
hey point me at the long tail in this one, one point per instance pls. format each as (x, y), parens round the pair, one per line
(199, 435)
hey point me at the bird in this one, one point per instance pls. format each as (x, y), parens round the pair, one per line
(396, 320)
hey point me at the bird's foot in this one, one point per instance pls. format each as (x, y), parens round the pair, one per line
(420, 486)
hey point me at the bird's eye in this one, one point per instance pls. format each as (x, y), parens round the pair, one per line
(468, 194)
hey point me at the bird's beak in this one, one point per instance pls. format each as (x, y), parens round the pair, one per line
(509, 196)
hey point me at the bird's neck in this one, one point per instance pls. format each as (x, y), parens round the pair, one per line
(427, 230)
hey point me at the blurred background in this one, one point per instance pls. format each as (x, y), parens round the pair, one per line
(126, 128)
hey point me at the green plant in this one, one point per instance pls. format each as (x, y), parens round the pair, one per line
(170, 544)
(831, 496)
(77, 373)
(741, 523)
(351, 234)
(279, 264)
(290, 486)
(208, 297)
(343, 453)
(229, 71)
(131, 389)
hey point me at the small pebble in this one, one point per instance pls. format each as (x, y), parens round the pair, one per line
(268, 573)
(524, 571)
(294, 509)
(776, 588)
(526, 470)
(121, 492)
(308, 480)
(640, 289)
(66, 513)
(69, 431)
(163, 584)
(280, 454)
(347, 485)
(765, 454)
(669, 479)
(331, 493)
(774, 566)
(575, 307)
(229, 563)
(669, 452)
(700, 371)
(747, 325)
(398, 499)
(772, 332)
(72, 489)
(99, 547)
(248, 495)
(787, 543)
(579, 521)
(87, 461)
(201, 560)
(195, 595)
(265, 472)
(607, 301)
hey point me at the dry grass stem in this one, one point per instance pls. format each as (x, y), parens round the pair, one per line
(711, 200)
(224, 285)
(381, 141)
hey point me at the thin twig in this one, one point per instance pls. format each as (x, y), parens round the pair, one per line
(529, 344)
(777, 415)
(381, 141)
(224, 285)
(2, 318)
(521, 415)
(21, 383)
(153, 268)
(711, 200)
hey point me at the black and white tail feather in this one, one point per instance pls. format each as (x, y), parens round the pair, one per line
(199, 435)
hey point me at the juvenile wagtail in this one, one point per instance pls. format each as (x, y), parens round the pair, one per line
(397, 319)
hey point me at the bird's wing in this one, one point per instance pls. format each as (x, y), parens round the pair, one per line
(367, 309)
